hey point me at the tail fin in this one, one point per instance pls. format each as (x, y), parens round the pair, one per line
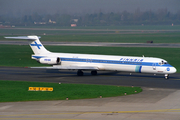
(34, 43)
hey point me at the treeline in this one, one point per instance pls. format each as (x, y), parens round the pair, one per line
(160, 17)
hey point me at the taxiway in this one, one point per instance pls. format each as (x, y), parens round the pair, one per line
(159, 99)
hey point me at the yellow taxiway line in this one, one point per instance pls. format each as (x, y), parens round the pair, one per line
(108, 112)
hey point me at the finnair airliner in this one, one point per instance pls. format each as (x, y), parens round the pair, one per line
(94, 63)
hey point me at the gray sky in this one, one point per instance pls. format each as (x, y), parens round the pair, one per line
(21, 7)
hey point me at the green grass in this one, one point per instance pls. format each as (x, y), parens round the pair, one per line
(12, 55)
(124, 27)
(173, 37)
(120, 34)
(11, 91)
(15, 55)
(118, 38)
(125, 34)
(48, 32)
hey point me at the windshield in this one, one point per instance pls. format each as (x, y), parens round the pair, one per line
(163, 62)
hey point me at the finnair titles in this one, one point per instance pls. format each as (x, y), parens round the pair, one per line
(94, 63)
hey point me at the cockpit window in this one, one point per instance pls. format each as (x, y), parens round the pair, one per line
(162, 62)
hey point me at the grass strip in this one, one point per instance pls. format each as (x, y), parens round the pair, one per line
(11, 91)
(117, 38)
(167, 37)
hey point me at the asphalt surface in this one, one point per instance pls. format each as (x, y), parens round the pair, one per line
(165, 45)
(104, 78)
(159, 100)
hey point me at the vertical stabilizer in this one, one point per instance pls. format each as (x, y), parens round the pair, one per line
(34, 43)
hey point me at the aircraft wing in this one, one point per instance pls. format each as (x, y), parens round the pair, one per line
(69, 67)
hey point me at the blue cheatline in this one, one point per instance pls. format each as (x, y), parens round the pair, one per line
(35, 44)
(140, 64)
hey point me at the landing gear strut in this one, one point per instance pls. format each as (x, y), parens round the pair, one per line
(94, 72)
(80, 73)
(166, 76)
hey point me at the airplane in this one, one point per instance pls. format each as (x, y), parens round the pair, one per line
(94, 63)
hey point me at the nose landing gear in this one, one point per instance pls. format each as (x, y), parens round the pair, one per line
(166, 76)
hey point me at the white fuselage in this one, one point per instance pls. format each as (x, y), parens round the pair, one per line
(93, 63)
(113, 63)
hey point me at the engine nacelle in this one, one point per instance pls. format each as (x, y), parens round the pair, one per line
(50, 61)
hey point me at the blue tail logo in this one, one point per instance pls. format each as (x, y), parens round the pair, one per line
(38, 45)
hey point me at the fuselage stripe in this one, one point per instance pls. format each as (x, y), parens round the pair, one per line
(103, 61)
(112, 62)
(140, 69)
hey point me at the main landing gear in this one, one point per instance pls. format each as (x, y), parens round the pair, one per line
(80, 72)
(94, 72)
(166, 76)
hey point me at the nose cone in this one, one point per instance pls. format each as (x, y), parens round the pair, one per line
(174, 70)
(171, 70)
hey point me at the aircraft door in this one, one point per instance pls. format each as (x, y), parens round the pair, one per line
(154, 66)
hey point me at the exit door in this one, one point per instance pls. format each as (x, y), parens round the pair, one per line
(154, 66)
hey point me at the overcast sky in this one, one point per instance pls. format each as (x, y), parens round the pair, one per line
(21, 7)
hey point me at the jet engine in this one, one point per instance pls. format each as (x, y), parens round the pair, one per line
(50, 61)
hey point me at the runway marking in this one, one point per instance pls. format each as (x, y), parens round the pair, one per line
(112, 112)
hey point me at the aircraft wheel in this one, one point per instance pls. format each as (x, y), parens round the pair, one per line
(166, 76)
(80, 73)
(94, 72)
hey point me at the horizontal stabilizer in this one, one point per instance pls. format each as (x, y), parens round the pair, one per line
(69, 67)
(34, 43)
(24, 37)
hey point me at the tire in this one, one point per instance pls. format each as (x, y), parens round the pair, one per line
(94, 72)
(80, 73)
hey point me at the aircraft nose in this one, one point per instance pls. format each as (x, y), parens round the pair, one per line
(173, 70)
